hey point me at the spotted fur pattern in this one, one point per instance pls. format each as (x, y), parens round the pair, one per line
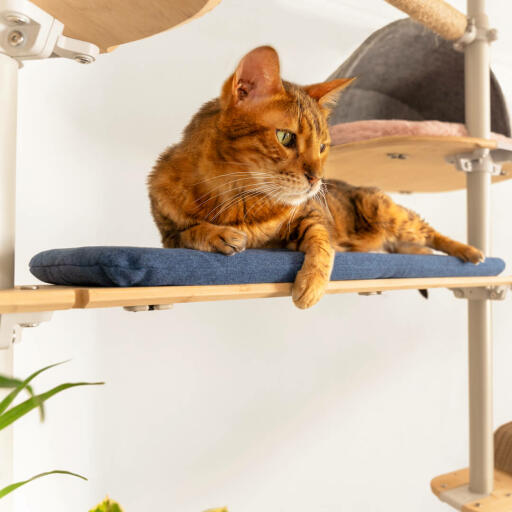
(230, 184)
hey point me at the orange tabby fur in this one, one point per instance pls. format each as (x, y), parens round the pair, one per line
(230, 184)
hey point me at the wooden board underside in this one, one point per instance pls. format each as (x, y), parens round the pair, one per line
(48, 298)
(500, 500)
(109, 23)
(424, 169)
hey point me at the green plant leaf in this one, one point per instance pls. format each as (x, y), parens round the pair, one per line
(13, 487)
(9, 382)
(19, 385)
(20, 410)
(107, 506)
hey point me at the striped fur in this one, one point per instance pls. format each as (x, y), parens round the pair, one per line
(231, 185)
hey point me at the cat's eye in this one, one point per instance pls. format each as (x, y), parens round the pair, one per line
(286, 138)
(322, 148)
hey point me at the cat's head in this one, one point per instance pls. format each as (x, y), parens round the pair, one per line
(277, 130)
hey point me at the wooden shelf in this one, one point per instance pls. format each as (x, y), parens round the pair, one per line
(44, 298)
(49, 298)
(109, 23)
(424, 169)
(452, 488)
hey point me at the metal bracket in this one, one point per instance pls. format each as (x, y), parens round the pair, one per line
(11, 325)
(473, 33)
(149, 307)
(485, 293)
(27, 32)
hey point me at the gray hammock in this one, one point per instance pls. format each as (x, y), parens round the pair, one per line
(405, 71)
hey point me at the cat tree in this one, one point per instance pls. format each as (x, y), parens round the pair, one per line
(44, 28)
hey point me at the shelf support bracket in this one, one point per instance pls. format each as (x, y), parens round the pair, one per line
(12, 325)
(27, 32)
(483, 160)
(483, 293)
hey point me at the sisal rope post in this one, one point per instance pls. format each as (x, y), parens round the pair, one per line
(437, 15)
(503, 448)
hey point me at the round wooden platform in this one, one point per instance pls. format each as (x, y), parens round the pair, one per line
(109, 23)
(406, 164)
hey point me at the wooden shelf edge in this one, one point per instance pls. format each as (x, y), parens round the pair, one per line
(452, 488)
(44, 298)
(52, 298)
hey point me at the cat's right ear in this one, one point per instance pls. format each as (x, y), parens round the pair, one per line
(257, 77)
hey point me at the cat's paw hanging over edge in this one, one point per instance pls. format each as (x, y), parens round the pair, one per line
(308, 288)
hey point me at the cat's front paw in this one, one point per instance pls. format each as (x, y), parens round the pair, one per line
(229, 241)
(308, 288)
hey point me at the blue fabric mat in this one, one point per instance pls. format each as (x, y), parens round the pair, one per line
(140, 266)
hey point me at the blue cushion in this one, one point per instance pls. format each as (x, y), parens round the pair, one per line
(140, 266)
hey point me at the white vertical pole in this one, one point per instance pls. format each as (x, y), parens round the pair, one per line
(478, 122)
(8, 114)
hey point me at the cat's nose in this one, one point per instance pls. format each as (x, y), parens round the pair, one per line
(312, 179)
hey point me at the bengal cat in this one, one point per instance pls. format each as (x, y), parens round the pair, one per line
(248, 173)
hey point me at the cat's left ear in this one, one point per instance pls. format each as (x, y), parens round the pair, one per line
(327, 92)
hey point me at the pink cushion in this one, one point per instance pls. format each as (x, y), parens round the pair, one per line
(362, 130)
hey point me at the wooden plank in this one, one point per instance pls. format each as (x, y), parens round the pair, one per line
(424, 169)
(50, 298)
(500, 500)
(112, 297)
(443, 483)
(44, 298)
(109, 23)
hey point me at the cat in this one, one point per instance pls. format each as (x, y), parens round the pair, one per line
(248, 173)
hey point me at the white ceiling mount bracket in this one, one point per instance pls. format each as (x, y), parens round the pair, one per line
(27, 33)
(484, 293)
(12, 324)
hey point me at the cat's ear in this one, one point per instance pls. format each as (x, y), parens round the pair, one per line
(326, 93)
(257, 76)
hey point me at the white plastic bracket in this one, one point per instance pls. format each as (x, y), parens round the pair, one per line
(12, 324)
(27, 32)
(473, 33)
(482, 160)
(486, 293)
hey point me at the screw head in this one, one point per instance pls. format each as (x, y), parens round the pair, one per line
(16, 18)
(16, 38)
(83, 59)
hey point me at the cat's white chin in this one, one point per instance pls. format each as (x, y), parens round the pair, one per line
(294, 199)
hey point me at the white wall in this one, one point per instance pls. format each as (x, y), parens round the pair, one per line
(353, 405)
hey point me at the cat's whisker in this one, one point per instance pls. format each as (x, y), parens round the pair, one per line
(294, 211)
(273, 193)
(232, 201)
(321, 191)
(253, 192)
(224, 185)
(241, 173)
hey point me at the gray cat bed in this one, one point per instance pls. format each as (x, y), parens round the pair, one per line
(407, 72)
